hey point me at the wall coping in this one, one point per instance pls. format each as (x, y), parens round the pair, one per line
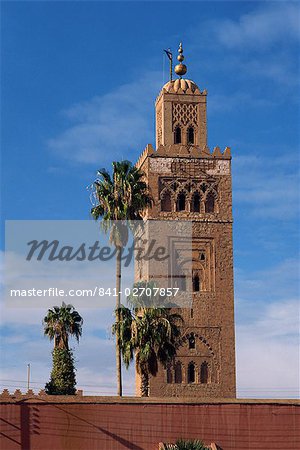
(30, 397)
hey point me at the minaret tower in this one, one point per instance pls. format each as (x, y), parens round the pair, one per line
(189, 182)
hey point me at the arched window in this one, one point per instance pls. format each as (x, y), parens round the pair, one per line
(210, 203)
(169, 375)
(191, 373)
(180, 202)
(204, 373)
(196, 202)
(196, 283)
(192, 341)
(178, 372)
(182, 283)
(177, 135)
(203, 187)
(202, 257)
(166, 204)
(190, 135)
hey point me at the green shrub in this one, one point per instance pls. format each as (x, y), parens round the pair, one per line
(183, 444)
(62, 378)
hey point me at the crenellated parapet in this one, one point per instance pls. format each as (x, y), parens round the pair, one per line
(192, 151)
(149, 150)
(18, 395)
(183, 151)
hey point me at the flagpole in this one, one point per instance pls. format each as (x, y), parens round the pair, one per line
(170, 56)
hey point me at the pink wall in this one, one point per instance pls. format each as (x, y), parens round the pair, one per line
(111, 425)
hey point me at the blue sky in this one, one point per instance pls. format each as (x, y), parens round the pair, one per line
(79, 81)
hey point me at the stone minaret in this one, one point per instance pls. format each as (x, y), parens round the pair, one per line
(188, 182)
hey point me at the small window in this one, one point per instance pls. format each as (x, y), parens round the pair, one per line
(192, 342)
(196, 202)
(169, 375)
(204, 373)
(191, 373)
(196, 283)
(177, 137)
(182, 283)
(178, 373)
(190, 135)
(202, 256)
(166, 204)
(179, 281)
(210, 203)
(181, 202)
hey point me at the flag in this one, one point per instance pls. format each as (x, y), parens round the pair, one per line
(169, 54)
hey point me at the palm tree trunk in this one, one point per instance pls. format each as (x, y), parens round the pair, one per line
(144, 384)
(118, 304)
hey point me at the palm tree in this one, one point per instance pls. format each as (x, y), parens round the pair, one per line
(122, 198)
(60, 322)
(152, 335)
(149, 296)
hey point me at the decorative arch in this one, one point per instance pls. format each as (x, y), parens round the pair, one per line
(191, 372)
(204, 373)
(190, 135)
(177, 135)
(196, 202)
(196, 282)
(178, 372)
(166, 201)
(210, 202)
(169, 375)
(181, 202)
(202, 339)
(198, 277)
(203, 187)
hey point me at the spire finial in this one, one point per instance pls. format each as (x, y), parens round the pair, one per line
(180, 69)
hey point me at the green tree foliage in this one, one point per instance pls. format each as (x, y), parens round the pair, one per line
(183, 444)
(121, 199)
(60, 323)
(149, 334)
(62, 379)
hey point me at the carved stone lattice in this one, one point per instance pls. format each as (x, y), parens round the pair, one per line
(159, 126)
(184, 114)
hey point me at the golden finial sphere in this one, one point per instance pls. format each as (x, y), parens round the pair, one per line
(180, 69)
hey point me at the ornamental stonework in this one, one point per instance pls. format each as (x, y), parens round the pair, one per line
(193, 167)
(190, 183)
(159, 125)
(184, 114)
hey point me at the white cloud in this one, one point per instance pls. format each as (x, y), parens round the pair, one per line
(268, 186)
(264, 288)
(268, 352)
(257, 46)
(267, 331)
(110, 126)
(236, 101)
(261, 28)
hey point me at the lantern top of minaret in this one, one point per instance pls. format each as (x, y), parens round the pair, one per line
(180, 69)
(180, 85)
